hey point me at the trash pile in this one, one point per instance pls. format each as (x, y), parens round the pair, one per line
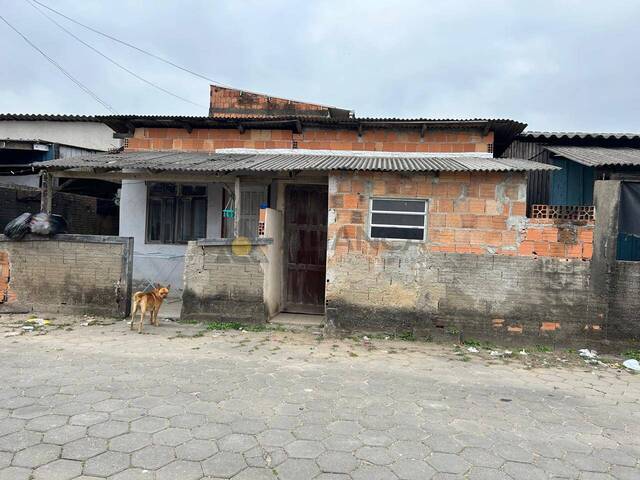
(632, 364)
(31, 325)
(44, 224)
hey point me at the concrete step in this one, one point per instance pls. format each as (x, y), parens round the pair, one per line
(299, 320)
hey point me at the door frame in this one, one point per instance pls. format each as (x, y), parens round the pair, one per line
(285, 244)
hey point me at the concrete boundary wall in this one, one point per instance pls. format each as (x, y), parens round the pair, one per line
(224, 280)
(67, 274)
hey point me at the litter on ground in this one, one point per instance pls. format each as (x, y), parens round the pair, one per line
(632, 364)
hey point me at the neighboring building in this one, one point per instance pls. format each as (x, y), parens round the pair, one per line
(26, 140)
(583, 158)
(386, 224)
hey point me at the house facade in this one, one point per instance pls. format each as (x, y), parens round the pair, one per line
(398, 225)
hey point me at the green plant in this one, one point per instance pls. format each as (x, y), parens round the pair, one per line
(632, 354)
(542, 348)
(224, 326)
(472, 343)
(452, 331)
(407, 336)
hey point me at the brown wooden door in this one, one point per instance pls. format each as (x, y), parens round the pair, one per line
(306, 247)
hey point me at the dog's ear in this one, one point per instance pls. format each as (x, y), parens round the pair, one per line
(157, 285)
(168, 286)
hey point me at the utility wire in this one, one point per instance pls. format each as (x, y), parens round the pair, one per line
(114, 62)
(86, 89)
(157, 57)
(141, 50)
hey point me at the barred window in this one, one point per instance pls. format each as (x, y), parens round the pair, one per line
(398, 219)
(176, 213)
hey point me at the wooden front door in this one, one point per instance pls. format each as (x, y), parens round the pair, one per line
(306, 247)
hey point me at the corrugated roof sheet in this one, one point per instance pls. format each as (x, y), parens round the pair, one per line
(599, 156)
(274, 162)
(355, 120)
(579, 135)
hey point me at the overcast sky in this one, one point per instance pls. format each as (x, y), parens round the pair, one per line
(556, 65)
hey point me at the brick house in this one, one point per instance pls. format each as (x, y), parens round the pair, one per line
(270, 205)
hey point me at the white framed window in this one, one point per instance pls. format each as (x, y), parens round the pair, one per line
(398, 219)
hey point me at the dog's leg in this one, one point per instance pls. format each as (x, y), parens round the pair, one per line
(134, 309)
(143, 310)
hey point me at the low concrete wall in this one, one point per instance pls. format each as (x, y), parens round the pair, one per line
(480, 295)
(224, 280)
(67, 274)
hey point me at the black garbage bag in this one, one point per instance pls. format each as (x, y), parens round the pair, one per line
(46, 224)
(17, 228)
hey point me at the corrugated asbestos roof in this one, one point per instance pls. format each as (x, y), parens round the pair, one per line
(279, 162)
(599, 156)
(579, 135)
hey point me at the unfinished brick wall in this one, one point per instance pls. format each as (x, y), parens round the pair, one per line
(68, 274)
(480, 270)
(223, 282)
(468, 212)
(371, 139)
(229, 102)
(557, 238)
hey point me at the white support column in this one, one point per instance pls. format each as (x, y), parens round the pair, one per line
(236, 208)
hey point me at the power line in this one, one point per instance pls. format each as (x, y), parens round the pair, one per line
(157, 57)
(114, 62)
(86, 89)
(146, 52)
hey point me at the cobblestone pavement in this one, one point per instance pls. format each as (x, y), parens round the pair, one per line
(102, 402)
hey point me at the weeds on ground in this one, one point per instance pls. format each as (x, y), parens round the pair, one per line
(632, 354)
(542, 348)
(251, 327)
(407, 336)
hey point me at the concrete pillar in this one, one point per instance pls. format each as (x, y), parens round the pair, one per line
(607, 201)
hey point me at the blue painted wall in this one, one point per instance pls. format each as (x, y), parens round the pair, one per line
(573, 185)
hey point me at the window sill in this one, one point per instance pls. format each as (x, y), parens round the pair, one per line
(230, 241)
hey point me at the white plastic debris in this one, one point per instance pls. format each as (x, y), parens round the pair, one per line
(472, 350)
(495, 353)
(523, 352)
(27, 328)
(588, 354)
(508, 353)
(632, 364)
(12, 334)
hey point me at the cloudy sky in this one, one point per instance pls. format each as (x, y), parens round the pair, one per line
(557, 65)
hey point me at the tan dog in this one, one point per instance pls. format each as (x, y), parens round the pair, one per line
(150, 301)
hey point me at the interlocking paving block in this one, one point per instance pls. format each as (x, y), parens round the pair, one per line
(153, 457)
(84, 448)
(172, 436)
(236, 442)
(106, 464)
(224, 465)
(448, 463)
(337, 462)
(130, 442)
(180, 469)
(36, 455)
(18, 440)
(297, 469)
(149, 424)
(196, 450)
(375, 455)
(109, 429)
(304, 449)
(58, 470)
